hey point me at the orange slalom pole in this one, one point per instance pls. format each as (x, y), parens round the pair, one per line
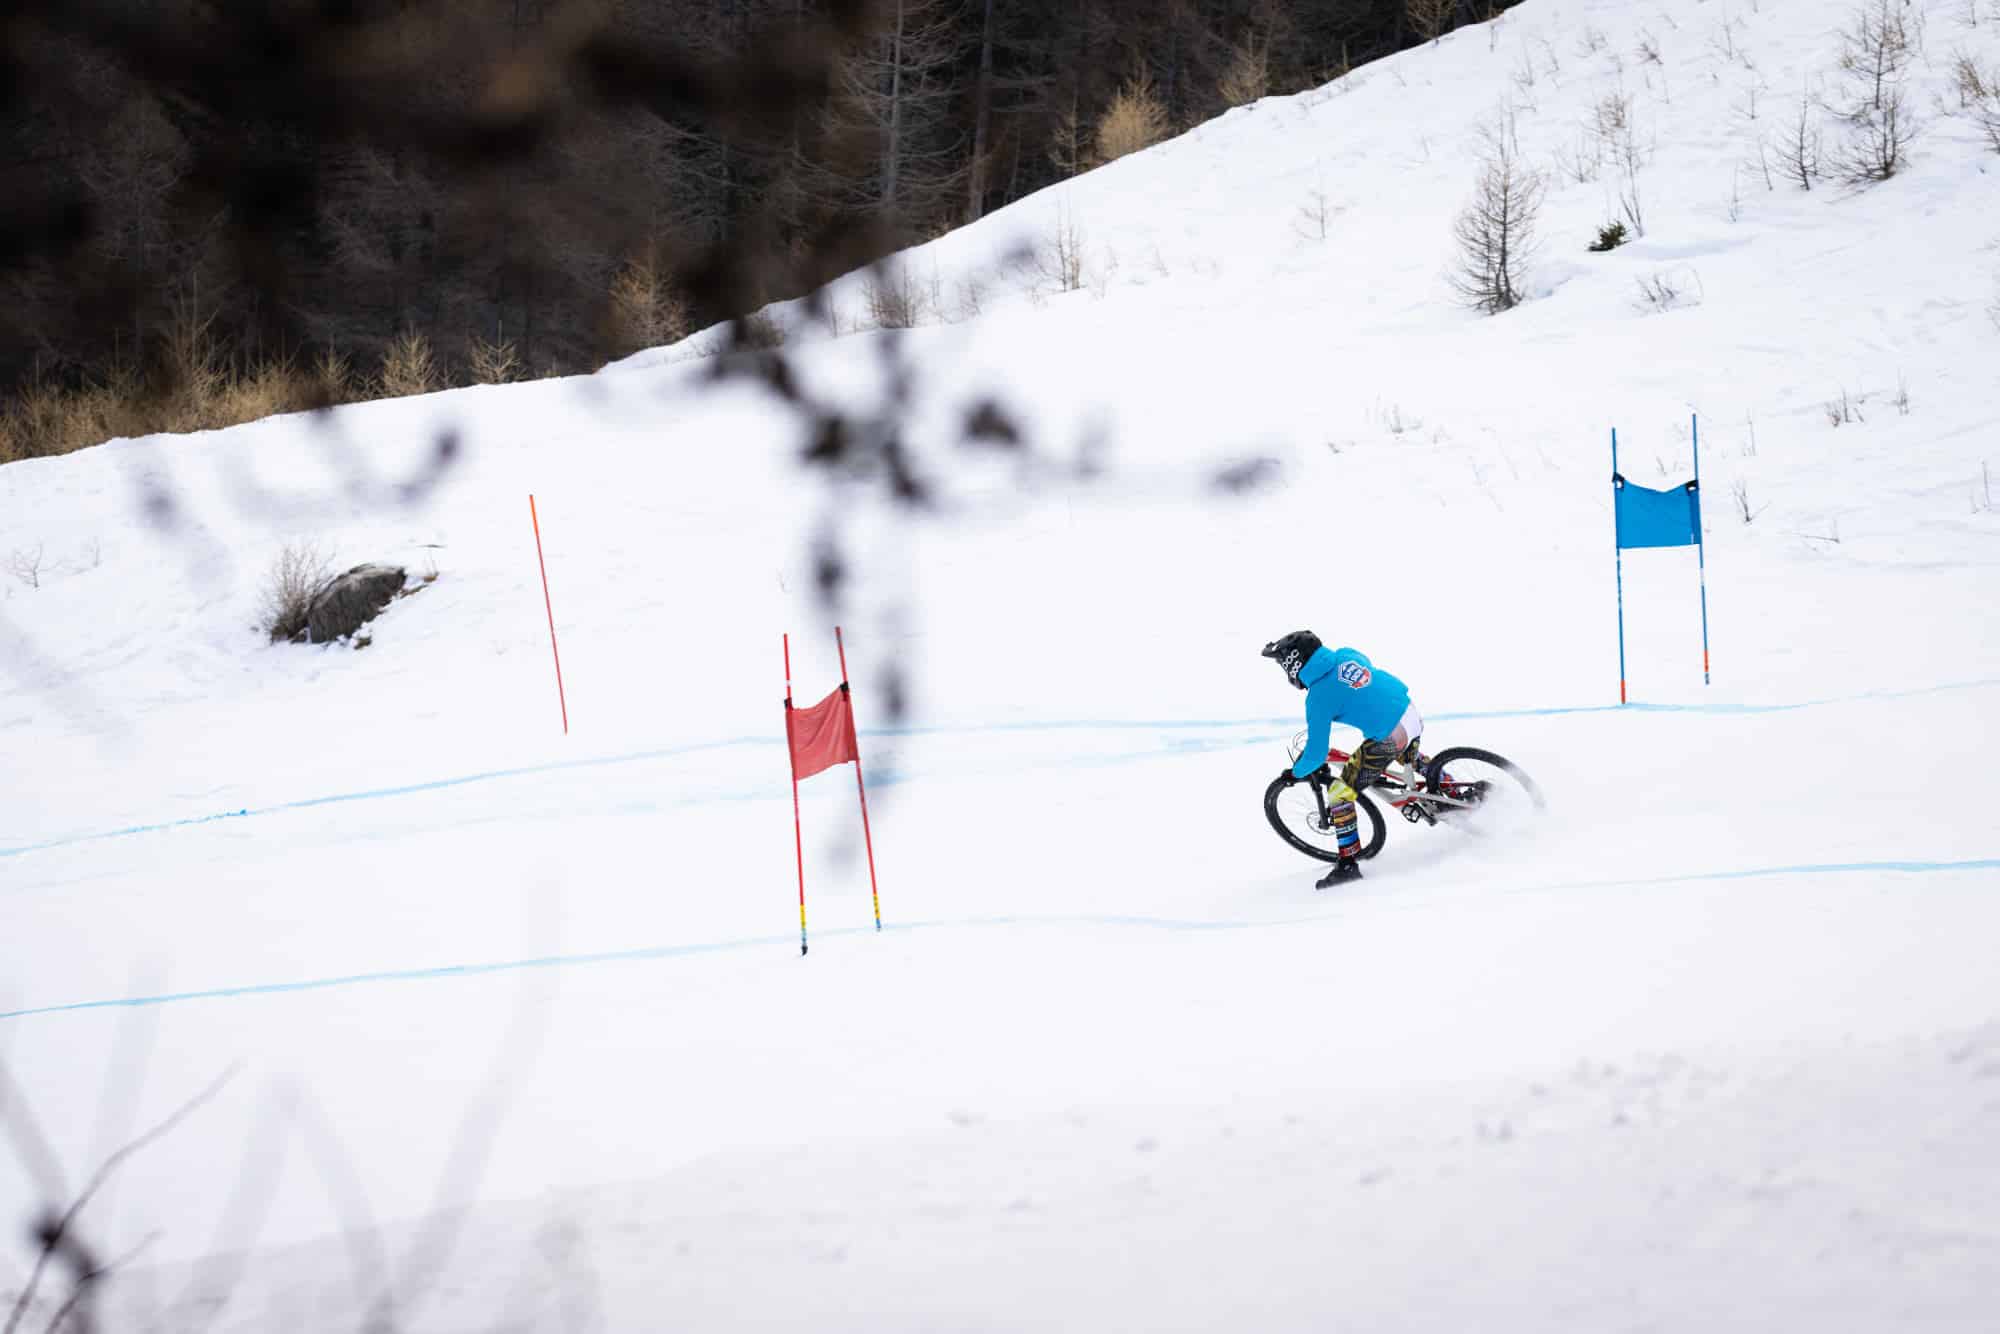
(551, 609)
(798, 831)
(867, 836)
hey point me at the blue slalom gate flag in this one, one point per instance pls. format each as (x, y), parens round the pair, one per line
(1643, 517)
(1648, 518)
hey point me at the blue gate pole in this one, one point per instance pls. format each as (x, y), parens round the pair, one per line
(1618, 558)
(1700, 550)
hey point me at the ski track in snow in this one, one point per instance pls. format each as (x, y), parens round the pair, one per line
(893, 778)
(446, 972)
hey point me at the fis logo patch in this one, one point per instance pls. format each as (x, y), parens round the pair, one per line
(1355, 675)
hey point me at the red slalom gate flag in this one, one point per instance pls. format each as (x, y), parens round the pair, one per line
(823, 735)
(818, 738)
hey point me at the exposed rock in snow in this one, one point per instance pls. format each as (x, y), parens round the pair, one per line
(349, 601)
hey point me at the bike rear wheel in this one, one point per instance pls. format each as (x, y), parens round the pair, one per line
(1293, 810)
(1480, 792)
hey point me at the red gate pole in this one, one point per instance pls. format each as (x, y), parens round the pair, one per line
(798, 832)
(859, 785)
(550, 607)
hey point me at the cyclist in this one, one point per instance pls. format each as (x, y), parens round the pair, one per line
(1343, 686)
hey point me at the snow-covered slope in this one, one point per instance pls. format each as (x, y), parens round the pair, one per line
(1717, 1045)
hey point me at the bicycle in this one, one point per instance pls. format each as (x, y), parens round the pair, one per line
(1463, 787)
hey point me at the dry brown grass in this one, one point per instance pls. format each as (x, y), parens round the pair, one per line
(191, 386)
(1136, 119)
(264, 391)
(43, 419)
(895, 299)
(298, 572)
(1973, 83)
(760, 332)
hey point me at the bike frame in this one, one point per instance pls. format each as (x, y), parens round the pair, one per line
(1401, 777)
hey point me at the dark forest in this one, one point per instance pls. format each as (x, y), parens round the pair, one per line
(212, 210)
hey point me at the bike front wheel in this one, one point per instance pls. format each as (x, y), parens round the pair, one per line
(1294, 811)
(1480, 792)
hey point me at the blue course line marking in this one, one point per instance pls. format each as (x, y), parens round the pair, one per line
(1718, 710)
(761, 942)
(1804, 868)
(1834, 868)
(1057, 725)
(384, 793)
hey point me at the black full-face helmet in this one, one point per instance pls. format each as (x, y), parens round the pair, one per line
(1293, 652)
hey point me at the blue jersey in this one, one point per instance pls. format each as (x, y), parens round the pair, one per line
(1342, 686)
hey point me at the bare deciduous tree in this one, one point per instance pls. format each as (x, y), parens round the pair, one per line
(1611, 116)
(408, 367)
(1248, 76)
(1799, 150)
(1069, 141)
(1580, 163)
(1430, 18)
(1740, 491)
(1058, 261)
(1978, 91)
(1616, 131)
(1316, 215)
(27, 566)
(895, 298)
(982, 122)
(1973, 83)
(901, 85)
(1496, 231)
(644, 312)
(1135, 119)
(1875, 50)
(1659, 291)
(1879, 146)
(493, 360)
